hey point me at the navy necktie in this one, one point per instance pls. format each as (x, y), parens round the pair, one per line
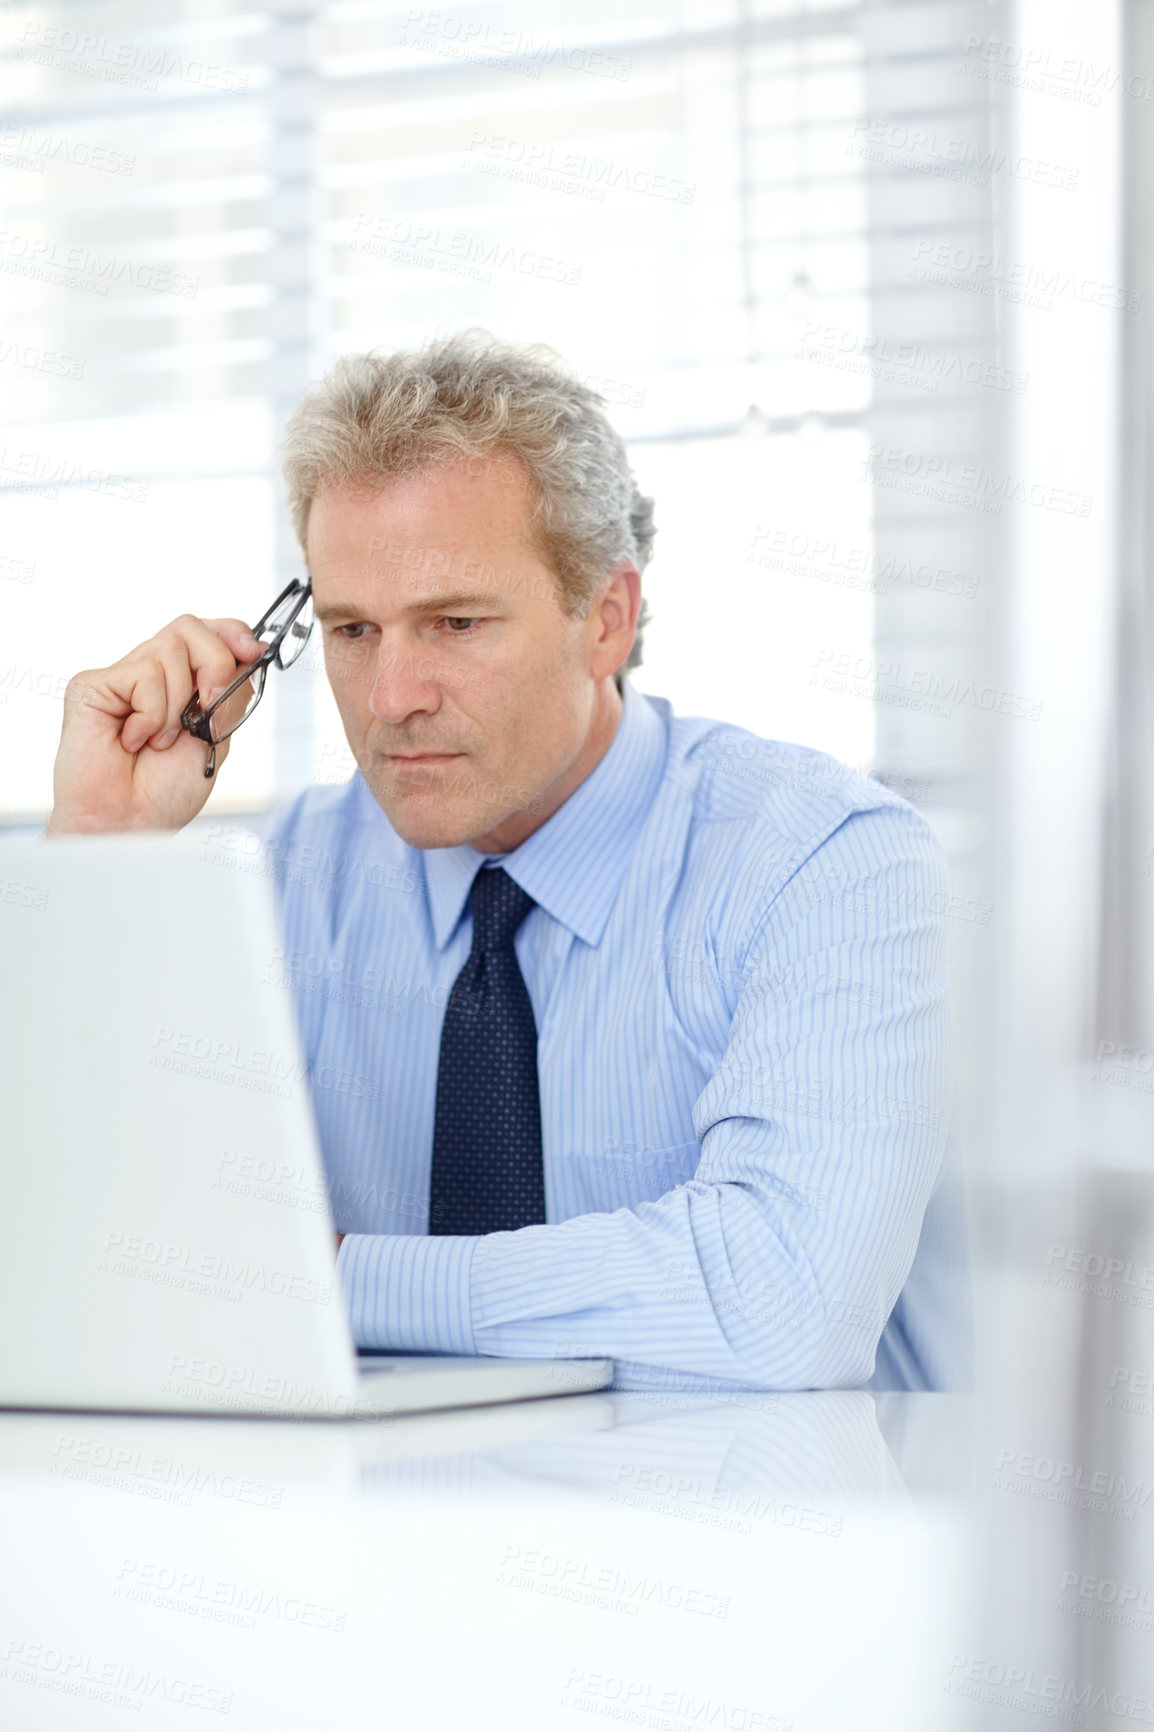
(488, 1171)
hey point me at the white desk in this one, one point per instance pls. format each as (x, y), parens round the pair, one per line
(663, 1561)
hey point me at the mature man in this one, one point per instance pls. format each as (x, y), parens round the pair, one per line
(648, 1015)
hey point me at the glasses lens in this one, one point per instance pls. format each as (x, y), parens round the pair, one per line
(297, 635)
(237, 707)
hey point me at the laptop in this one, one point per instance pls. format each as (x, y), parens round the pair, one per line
(166, 1243)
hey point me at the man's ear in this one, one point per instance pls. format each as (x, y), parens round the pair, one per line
(616, 610)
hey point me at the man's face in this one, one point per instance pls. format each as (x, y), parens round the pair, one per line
(467, 695)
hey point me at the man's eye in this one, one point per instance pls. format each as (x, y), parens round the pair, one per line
(352, 633)
(459, 626)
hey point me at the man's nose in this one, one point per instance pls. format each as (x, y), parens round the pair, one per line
(404, 681)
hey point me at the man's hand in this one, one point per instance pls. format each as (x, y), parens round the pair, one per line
(124, 761)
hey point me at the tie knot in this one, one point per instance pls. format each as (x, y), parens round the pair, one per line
(499, 905)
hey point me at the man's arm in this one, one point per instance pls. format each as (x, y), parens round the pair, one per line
(821, 1138)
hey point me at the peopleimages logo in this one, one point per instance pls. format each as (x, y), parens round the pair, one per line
(34, 359)
(137, 63)
(850, 566)
(1136, 1382)
(597, 174)
(180, 1265)
(21, 895)
(605, 1586)
(103, 269)
(35, 471)
(1034, 284)
(1104, 1592)
(915, 688)
(926, 151)
(116, 1683)
(1069, 1482)
(1096, 1272)
(217, 1385)
(694, 1499)
(219, 1598)
(1131, 1391)
(642, 1702)
(34, 149)
(923, 366)
(458, 38)
(1036, 1692)
(944, 478)
(1046, 70)
(124, 1467)
(456, 251)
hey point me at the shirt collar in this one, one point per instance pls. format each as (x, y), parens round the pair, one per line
(573, 865)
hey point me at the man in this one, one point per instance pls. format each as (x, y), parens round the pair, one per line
(642, 1018)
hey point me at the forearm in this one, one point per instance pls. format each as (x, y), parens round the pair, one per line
(715, 1281)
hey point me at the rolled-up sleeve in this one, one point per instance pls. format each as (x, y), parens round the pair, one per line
(821, 1129)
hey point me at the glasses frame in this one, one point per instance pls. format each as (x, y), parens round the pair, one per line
(198, 721)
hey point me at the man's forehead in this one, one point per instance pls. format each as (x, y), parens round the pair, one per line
(431, 538)
(411, 571)
(423, 523)
(492, 486)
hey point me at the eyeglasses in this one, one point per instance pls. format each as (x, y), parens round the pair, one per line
(286, 627)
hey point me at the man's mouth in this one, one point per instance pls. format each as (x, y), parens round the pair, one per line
(422, 757)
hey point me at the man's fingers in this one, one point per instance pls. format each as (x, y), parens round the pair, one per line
(214, 656)
(133, 692)
(150, 707)
(208, 678)
(231, 712)
(172, 657)
(210, 653)
(244, 646)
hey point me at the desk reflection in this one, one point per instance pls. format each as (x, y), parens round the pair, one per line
(826, 1443)
(759, 1559)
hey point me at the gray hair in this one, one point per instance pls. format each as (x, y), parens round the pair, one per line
(378, 416)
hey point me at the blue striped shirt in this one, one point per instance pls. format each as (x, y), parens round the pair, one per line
(738, 973)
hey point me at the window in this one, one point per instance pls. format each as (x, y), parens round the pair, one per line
(199, 215)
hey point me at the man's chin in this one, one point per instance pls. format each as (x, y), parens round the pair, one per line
(426, 818)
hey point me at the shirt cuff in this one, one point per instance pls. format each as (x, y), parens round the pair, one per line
(405, 1290)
